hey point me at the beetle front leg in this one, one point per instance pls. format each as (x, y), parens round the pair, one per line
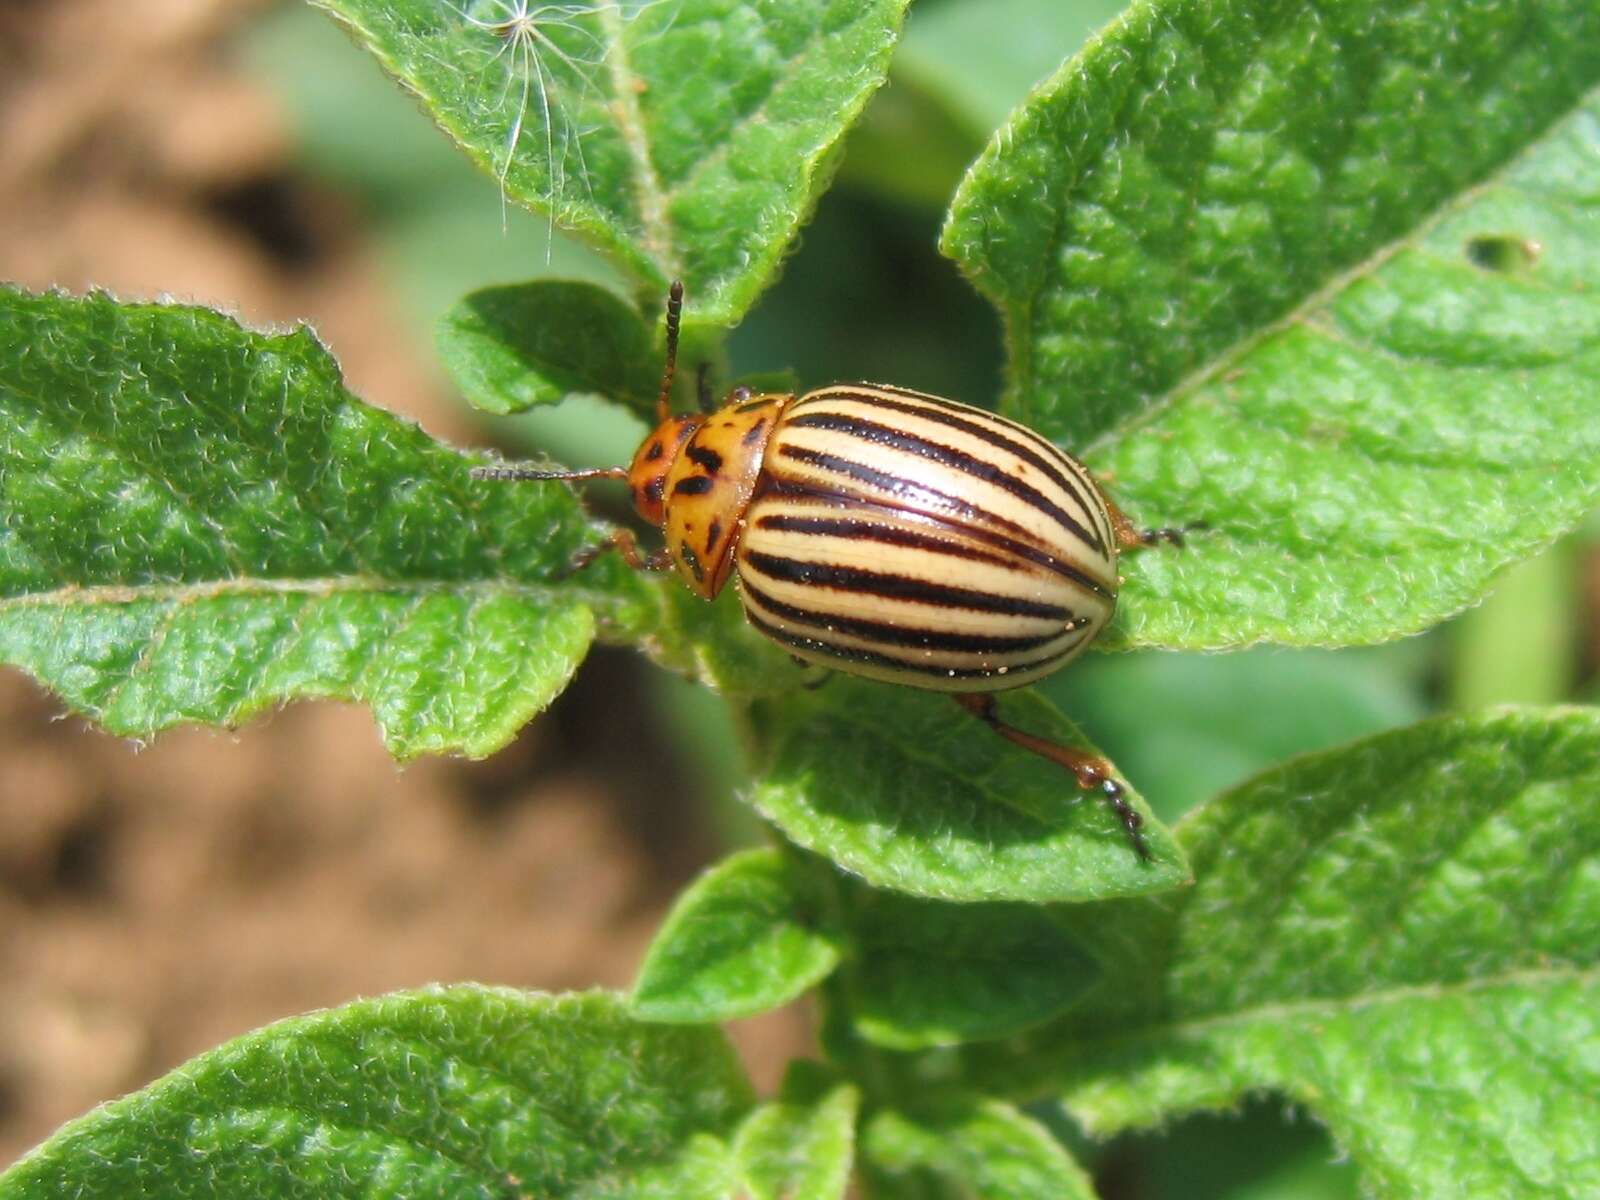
(1092, 772)
(626, 544)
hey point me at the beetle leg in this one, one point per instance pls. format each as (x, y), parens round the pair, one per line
(1092, 772)
(1131, 537)
(625, 544)
(823, 674)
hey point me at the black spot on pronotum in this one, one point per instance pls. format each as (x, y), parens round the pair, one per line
(713, 534)
(655, 452)
(753, 434)
(707, 460)
(654, 488)
(1502, 253)
(695, 485)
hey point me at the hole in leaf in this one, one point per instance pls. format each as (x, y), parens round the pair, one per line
(1503, 253)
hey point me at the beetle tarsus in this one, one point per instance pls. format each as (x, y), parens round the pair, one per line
(1092, 772)
(1132, 822)
(1173, 537)
(1130, 537)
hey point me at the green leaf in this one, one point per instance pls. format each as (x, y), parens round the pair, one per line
(909, 792)
(511, 348)
(967, 1149)
(1186, 726)
(1354, 335)
(745, 938)
(931, 973)
(1399, 934)
(688, 140)
(200, 523)
(716, 645)
(799, 1147)
(443, 1092)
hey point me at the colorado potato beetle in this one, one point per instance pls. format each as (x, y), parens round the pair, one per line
(885, 533)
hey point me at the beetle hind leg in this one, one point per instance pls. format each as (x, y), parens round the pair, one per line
(1131, 537)
(1092, 772)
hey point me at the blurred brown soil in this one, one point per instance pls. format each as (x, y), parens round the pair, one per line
(156, 901)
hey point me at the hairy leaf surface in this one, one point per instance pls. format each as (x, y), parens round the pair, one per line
(906, 790)
(601, 116)
(977, 1148)
(1399, 934)
(932, 973)
(439, 1093)
(748, 936)
(1326, 278)
(802, 1143)
(198, 522)
(511, 348)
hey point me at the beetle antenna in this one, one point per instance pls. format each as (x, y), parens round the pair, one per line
(674, 317)
(526, 473)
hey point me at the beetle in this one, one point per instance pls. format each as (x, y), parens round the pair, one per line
(885, 533)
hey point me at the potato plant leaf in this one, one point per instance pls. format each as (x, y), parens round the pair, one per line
(601, 116)
(1326, 277)
(511, 348)
(979, 1148)
(802, 1143)
(444, 1092)
(748, 936)
(198, 522)
(906, 790)
(931, 973)
(1398, 934)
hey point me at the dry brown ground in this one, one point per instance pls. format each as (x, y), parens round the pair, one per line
(156, 901)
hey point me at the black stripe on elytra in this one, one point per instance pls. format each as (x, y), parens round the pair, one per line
(897, 486)
(707, 460)
(855, 529)
(899, 587)
(871, 658)
(771, 485)
(949, 456)
(693, 485)
(686, 552)
(1038, 453)
(904, 635)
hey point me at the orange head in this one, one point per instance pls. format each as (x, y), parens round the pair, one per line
(694, 475)
(647, 474)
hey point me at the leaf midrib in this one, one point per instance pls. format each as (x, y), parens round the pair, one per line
(648, 190)
(179, 593)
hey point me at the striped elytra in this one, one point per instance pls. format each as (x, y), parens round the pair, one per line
(886, 533)
(916, 540)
